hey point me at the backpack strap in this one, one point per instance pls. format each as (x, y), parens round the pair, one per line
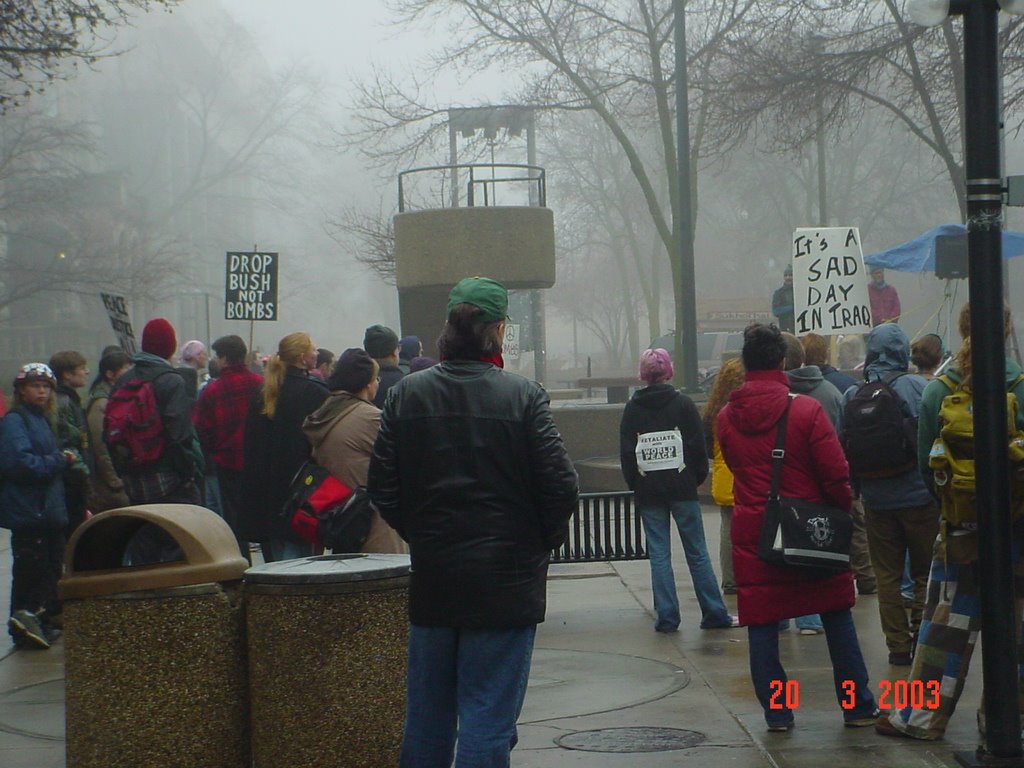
(891, 377)
(779, 451)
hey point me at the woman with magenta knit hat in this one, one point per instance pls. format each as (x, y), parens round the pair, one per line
(664, 459)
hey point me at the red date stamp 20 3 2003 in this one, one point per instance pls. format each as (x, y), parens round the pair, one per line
(892, 694)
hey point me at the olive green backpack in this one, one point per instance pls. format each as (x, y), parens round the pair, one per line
(952, 455)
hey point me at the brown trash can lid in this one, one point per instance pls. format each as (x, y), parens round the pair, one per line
(330, 569)
(93, 559)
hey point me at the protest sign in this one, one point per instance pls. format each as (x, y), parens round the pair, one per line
(830, 289)
(657, 451)
(510, 344)
(120, 321)
(250, 286)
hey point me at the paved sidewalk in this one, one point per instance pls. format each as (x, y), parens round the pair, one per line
(600, 670)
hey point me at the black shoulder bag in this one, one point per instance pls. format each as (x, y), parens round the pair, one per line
(814, 537)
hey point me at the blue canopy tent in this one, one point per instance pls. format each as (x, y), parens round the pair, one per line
(918, 255)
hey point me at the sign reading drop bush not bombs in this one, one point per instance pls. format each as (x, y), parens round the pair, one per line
(250, 287)
(830, 287)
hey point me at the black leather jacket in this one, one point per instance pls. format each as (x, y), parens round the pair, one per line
(470, 469)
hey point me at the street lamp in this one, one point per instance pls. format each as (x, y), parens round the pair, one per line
(983, 166)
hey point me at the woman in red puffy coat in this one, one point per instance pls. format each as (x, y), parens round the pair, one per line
(814, 469)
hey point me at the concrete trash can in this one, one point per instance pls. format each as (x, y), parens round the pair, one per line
(328, 640)
(155, 655)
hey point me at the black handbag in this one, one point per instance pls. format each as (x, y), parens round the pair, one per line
(812, 536)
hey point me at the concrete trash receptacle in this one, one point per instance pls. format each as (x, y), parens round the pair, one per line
(328, 640)
(155, 655)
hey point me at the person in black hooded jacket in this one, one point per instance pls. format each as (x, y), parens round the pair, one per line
(664, 459)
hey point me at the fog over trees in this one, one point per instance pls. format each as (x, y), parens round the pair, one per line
(177, 137)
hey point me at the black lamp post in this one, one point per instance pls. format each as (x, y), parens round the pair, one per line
(982, 147)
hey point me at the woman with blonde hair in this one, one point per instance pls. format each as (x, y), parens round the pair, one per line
(275, 446)
(728, 380)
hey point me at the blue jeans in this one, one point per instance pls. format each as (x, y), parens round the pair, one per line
(659, 546)
(848, 670)
(467, 684)
(811, 621)
(211, 494)
(285, 549)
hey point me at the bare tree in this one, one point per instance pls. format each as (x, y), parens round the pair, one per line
(610, 58)
(870, 56)
(371, 238)
(215, 135)
(67, 230)
(594, 185)
(37, 37)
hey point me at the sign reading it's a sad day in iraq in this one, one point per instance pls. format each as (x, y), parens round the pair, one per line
(830, 289)
(250, 286)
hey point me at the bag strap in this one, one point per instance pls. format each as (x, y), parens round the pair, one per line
(779, 451)
(892, 376)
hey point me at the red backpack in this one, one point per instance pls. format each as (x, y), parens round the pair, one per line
(132, 426)
(323, 510)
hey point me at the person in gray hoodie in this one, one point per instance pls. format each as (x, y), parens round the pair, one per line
(901, 514)
(807, 380)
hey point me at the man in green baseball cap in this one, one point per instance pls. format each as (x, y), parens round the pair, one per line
(489, 296)
(468, 467)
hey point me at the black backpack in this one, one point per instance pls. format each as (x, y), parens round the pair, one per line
(879, 441)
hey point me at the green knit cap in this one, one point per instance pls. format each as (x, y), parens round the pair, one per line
(489, 296)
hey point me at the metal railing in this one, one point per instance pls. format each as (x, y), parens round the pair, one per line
(606, 528)
(480, 189)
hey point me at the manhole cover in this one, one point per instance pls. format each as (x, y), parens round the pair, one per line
(631, 740)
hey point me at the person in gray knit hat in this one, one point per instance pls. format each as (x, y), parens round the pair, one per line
(381, 343)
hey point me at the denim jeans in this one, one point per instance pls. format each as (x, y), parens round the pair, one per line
(811, 621)
(656, 519)
(276, 550)
(849, 673)
(465, 684)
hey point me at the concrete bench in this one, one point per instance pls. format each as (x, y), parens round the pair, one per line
(565, 394)
(618, 386)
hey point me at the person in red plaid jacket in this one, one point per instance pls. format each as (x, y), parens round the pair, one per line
(219, 418)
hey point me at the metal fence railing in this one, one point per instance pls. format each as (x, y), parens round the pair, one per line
(472, 185)
(606, 528)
